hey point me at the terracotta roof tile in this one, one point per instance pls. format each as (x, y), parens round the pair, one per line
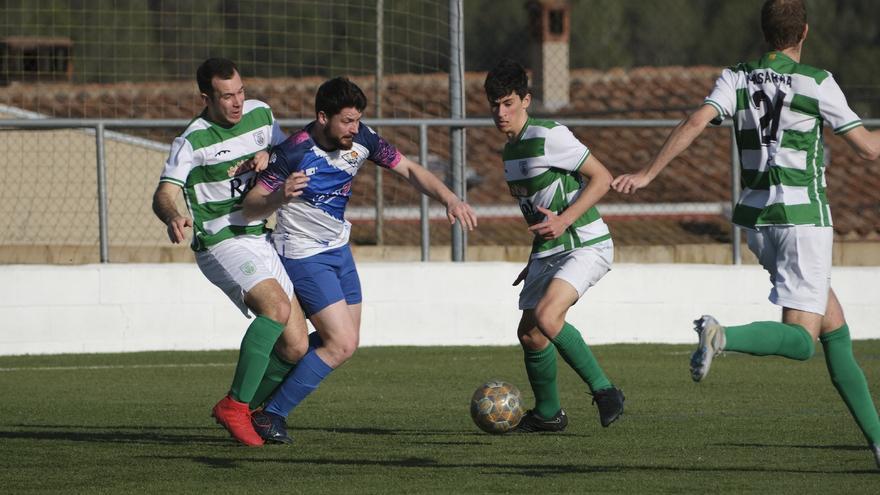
(701, 174)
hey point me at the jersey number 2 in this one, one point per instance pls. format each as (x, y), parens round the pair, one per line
(772, 110)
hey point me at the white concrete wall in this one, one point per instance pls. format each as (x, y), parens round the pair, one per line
(130, 307)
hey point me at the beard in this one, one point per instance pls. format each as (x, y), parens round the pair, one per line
(343, 143)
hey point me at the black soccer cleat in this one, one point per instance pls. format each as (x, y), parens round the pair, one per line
(532, 423)
(271, 427)
(610, 404)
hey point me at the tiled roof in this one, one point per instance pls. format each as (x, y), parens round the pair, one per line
(701, 174)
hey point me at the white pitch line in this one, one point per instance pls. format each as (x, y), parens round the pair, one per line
(119, 366)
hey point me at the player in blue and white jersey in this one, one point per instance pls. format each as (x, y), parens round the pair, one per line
(779, 107)
(311, 233)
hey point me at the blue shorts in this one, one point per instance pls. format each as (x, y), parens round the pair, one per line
(324, 279)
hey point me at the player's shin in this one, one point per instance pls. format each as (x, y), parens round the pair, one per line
(253, 357)
(578, 355)
(541, 369)
(770, 338)
(849, 380)
(305, 378)
(277, 369)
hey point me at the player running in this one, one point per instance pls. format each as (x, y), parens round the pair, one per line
(312, 234)
(779, 106)
(557, 182)
(214, 162)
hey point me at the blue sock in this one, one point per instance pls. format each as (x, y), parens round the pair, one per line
(306, 377)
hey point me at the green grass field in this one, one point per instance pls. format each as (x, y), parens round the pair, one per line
(395, 420)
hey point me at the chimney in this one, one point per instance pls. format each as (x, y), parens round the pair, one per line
(549, 29)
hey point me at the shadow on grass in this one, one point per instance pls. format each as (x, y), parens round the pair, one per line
(849, 448)
(486, 468)
(116, 434)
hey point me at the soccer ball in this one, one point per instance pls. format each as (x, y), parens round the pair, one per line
(496, 407)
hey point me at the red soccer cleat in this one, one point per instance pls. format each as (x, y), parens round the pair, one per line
(236, 418)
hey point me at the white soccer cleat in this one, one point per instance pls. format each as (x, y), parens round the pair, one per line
(711, 344)
(876, 450)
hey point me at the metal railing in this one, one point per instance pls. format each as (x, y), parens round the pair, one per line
(101, 127)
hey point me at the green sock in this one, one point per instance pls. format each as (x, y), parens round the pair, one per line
(577, 354)
(850, 382)
(275, 373)
(253, 357)
(770, 338)
(541, 368)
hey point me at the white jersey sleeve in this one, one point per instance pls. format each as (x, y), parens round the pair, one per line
(834, 108)
(563, 150)
(723, 96)
(278, 135)
(179, 163)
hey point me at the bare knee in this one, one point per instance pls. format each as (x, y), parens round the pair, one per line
(292, 348)
(268, 299)
(532, 340)
(339, 349)
(548, 321)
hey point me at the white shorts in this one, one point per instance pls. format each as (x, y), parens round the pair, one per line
(798, 258)
(236, 265)
(581, 268)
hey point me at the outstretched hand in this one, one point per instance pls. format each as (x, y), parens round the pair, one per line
(462, 211)
(552, 227)
(630, 183)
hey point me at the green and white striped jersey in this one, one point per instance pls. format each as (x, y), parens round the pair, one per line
(541, 169)
(779, 107)
(206, 161)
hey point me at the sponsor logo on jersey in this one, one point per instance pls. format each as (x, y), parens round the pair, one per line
(248, 268)
(523, 167)
(238, 168)
(239, 186)
(518, 190)
(260, 138)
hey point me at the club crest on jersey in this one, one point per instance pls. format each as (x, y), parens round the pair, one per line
(273, 158)
(248, 268)
(260, 138)
(351, 157)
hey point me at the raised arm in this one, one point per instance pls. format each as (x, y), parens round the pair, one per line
(166, 210)
(426, 182)
(679, 139)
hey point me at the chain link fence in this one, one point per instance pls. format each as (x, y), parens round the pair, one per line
(116, 59)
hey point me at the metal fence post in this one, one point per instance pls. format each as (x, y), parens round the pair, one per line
(735, 232)
(456, 109)
(380, 68)
(424, 212)
(102, 193)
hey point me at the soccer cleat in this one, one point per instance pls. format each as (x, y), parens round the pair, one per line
(711, 344)
(271, 427)
(876, 450)
(532, 423)
(609, 401)
(236, 418)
